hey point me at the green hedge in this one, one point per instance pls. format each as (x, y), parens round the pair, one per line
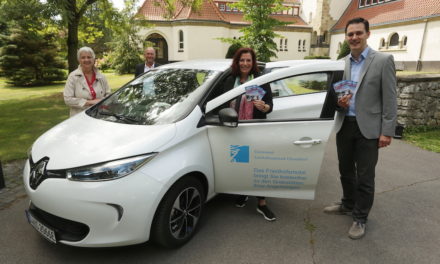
(316, 57)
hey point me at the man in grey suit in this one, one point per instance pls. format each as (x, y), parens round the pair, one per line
(364, 123)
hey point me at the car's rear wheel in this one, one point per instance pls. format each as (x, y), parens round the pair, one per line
(178, 213)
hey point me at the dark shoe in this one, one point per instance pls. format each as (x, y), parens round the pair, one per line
(357, 230)
(268, 215)
(337, 209)
(241, 201)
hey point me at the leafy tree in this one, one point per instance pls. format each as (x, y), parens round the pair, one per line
(260, 33)
(232, 49)
(98, 25)
(3, 23)
(31, 59)
(127, 44)
(4, 30)
(125, 54)
(29, 55)
(85, 23)
(344, 51)
(72, 11)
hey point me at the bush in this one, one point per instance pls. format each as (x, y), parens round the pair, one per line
(316, 57)
(124, 58)
(31, 58)
(104, 63)
(421, 129)
(344, 51)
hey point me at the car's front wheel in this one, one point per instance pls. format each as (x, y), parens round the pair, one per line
(178, 213)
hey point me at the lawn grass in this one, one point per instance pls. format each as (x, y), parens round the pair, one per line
(27, 112)
(404, 73)
(424, 137)
(24, 120)
(9, 92)
(116, 81)
(295, 86)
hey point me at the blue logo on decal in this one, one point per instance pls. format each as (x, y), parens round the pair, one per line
(239, 153)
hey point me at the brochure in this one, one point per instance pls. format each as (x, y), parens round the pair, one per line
(344, 87)
(254, 92)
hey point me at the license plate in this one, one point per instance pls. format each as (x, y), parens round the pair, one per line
(45, 231)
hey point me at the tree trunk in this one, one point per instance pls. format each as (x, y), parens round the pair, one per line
(72, 43)
(74, 17)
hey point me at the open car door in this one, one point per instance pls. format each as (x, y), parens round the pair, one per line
(272, 157)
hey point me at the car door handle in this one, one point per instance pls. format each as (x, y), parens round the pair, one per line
(308, 142)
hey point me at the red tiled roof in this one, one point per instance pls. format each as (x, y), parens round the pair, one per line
(156, 12)
(151, 11)
(285, 1)
(207, 12)
(182, 12)
(296, 20)
(391, 12)
(237, 18)
(234, 18)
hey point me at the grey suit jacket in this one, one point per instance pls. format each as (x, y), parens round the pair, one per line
(376, 96)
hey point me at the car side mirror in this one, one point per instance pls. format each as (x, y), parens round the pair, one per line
(228, 117)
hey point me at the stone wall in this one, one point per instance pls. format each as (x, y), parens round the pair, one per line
(418, 100)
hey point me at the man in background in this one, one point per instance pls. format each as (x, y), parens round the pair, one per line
(150, 56)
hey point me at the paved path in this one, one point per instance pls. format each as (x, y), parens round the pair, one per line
(404, 225)
(14, 190)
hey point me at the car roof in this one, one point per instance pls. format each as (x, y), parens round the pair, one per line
(290, 63)
(224, 64)
(211, 64)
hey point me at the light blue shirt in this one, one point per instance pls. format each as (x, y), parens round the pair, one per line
(356, 70)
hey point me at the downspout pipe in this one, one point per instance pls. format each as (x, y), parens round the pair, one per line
(419, 61)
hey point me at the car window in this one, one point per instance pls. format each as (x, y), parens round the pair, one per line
(303, 96)
(162, 96)
(300, 84)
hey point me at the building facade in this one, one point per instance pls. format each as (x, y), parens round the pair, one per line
(191, 34)
(321, 15)
(407, 29)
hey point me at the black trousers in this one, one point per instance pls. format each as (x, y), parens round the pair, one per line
(357, 162)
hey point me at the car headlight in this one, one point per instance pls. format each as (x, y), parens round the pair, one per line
(108, 170)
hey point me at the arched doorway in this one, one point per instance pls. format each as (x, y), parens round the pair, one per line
(160, 45)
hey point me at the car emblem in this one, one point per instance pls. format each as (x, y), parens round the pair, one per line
(37, 174)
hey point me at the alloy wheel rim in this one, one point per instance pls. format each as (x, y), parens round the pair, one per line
(185, 213)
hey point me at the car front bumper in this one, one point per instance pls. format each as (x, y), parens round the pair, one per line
(107, 213)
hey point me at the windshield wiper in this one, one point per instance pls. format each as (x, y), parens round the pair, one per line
(120, 117)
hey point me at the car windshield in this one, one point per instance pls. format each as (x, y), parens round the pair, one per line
(162, 96)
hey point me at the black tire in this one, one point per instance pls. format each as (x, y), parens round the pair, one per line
(179, 213)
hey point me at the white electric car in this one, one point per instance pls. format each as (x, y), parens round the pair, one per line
(141, 164)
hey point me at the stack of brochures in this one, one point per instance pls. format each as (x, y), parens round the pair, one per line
(344, 87)
(254, 92)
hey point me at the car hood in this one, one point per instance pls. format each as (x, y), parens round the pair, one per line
(83, 140)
